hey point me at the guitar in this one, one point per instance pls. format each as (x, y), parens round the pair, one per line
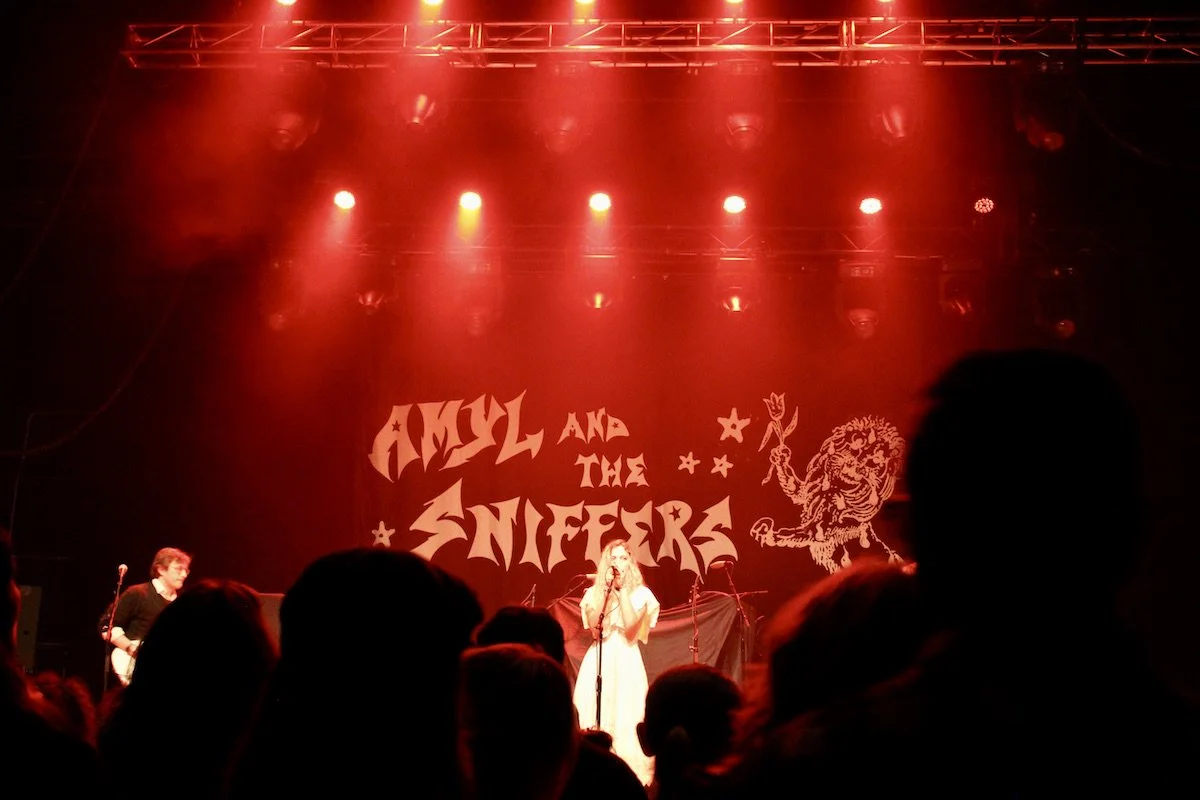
(123, 664)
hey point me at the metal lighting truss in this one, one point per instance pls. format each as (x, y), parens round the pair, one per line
(690, 44)
(667, 249)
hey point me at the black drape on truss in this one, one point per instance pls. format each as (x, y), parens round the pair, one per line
(724, 641)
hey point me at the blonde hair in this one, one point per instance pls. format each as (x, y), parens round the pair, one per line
(604, 567)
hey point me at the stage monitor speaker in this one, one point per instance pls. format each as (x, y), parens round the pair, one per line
(27, 625)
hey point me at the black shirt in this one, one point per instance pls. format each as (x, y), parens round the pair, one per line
(137, 608)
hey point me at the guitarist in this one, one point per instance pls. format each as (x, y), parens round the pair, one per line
(139, 605)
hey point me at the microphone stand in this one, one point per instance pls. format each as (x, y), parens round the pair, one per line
(695, 645)
(600, 646)
(112, 613)
(737, 599)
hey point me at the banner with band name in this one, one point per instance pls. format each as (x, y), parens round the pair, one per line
(511, 458)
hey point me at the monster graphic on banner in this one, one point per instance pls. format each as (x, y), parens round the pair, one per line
(844, 486)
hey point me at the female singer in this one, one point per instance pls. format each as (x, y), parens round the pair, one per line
(630, 613)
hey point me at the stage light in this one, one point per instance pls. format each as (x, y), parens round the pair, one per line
(1057, 302)
(470, 201)
(600, 202)
(293, 110)
(734, 204)
(420, 92)
(599, 280)
(736, 282)
(375, 284)
(420, 110)
(281, 295)
(433, 3)
(287, 3)
(734, 299)
(870, 206)
(860, 297)
(479, 294)
(563, 105)
(1043, 107)
(745, 102)
(894, 122)
(985, 205)
(960, 292)
(344, 200)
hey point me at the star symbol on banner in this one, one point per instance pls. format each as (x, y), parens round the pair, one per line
(688, 463)
(732, 425)
(722, 466)
(383, 535)
(675, 513)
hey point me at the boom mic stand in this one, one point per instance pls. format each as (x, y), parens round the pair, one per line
(112, 613)
(600, 644)
(695, 645)
(737, 599)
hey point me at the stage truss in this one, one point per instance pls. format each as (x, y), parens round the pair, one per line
(684, 250)
(686, 44)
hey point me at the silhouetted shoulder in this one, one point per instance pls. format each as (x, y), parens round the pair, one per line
(600, 773)
(39, 761)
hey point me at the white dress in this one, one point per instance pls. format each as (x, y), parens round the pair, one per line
(623, 691)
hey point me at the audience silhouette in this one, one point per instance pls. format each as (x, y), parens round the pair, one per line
(202, 670)
(599, 773)
(39, 756)
(517, 724)
(688, 726)
(1025, 515)
(1001, 667)
(365, 693)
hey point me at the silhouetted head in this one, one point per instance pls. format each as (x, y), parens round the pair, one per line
(689, 708)
(516, 723)
(377, 612)
(71, 702)
(535, 627)
(849, 631)
(194, 642)
(1024, 484)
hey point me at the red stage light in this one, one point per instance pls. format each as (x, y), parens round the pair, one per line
(344, 200)
(985, 205)
(600, 202)
(470, 201)
(734, 204)
(870, 205)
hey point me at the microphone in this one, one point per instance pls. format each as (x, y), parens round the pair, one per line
(616, 573)
(121, 570)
